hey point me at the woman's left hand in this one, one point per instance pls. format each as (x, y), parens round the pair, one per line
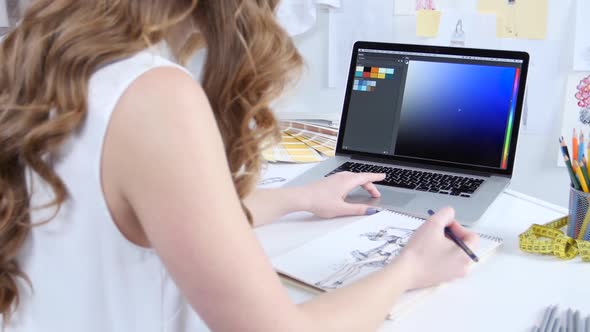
(327, 195)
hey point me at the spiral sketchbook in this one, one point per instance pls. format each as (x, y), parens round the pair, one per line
(356, 250)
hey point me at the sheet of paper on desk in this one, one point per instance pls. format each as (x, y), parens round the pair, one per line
(523, 19)
(355, 20)
(582, 41)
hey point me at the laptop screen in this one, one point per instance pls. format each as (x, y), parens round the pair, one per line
(457, 110)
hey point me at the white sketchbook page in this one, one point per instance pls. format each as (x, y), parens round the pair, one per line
(352, 252)
(582, 41)
(355, 20)
(573, 113)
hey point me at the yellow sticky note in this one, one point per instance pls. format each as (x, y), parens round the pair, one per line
(525, 19)
(427, 22)
(489, 6)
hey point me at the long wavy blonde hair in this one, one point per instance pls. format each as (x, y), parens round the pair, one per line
(46, 62)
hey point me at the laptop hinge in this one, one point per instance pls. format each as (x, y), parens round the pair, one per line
(422, 166)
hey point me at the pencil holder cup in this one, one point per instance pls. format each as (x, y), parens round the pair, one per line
(579, 214)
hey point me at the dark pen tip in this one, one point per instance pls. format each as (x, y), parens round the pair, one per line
(430, 212)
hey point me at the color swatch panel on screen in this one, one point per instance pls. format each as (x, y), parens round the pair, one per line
(364, 85)
(374, 72)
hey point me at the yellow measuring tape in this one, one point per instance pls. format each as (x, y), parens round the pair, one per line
(548, 239)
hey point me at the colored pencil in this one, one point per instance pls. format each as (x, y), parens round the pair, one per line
(574, 146)
(575, 183)
(584, 166)
(564, 149)
(581, 149)
(580, 176)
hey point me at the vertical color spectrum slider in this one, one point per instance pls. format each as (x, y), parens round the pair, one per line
(510, 120)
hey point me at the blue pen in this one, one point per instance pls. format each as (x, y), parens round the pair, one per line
(581, 147)
(458, 241)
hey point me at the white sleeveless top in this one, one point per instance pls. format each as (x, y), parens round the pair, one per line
(85, 275)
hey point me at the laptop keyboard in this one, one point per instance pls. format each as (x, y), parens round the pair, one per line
(444, 184)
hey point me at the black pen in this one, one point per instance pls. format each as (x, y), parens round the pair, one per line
(458, 241)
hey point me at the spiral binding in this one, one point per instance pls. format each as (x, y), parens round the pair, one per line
(493, 238)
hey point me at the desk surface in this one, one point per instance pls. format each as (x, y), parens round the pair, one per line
(507, 292)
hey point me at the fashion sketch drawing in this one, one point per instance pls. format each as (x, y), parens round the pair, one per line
(389, 243)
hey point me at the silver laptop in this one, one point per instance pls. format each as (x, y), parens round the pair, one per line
(441, 122)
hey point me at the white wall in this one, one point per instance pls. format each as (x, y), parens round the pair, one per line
(312, 95)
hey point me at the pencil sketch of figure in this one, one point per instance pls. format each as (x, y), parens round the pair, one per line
(392, 241)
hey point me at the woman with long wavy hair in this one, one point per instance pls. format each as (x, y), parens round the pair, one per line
(127, 188)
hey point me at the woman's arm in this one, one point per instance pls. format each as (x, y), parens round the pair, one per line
(173, 174)
(268, 205)
(324, 198)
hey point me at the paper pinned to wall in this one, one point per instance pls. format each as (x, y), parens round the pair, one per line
(487, 6)
(523, 19)
(582, 41)
(475, 30)
(298, 16)
(576, 107)
(355, 20)
(427, 23)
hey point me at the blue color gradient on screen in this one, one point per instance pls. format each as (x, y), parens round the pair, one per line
(455, 112)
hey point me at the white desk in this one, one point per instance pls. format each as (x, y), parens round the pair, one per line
(508, 292)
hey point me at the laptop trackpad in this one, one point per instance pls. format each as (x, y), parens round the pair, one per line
(388, 198)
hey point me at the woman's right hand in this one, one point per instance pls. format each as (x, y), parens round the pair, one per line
(432, 257)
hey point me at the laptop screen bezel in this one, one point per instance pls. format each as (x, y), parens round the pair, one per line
(511, 55)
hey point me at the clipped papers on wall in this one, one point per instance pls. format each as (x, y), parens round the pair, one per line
(524, 19)
(488, 6)
(576, 106)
